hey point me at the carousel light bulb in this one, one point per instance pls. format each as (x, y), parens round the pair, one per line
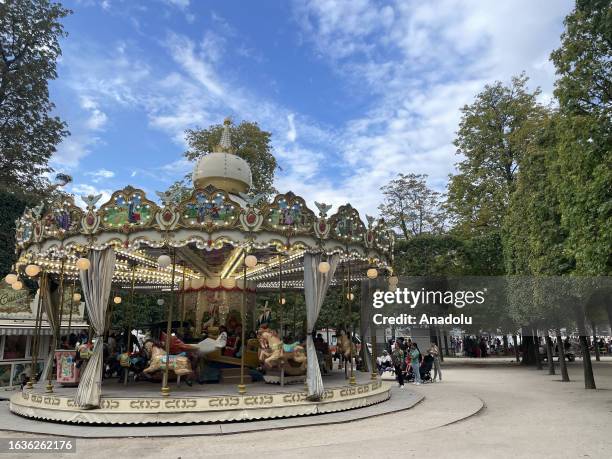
(164, 261)
(282, 300)
(83, 264)
(32, 270)
(250, 261)
(11, 279)
(117, 300)
(372, 273)
(160, 302)
(350, 296)
(324, 267)
(76, 297)
(17, 285)
(228, 283)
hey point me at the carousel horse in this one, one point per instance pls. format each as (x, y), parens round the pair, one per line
(179, 364)
(345, 347)
(210, 345)
(273, 353)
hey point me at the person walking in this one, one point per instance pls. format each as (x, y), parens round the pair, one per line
(434, 351)
(414, 360)
(397, 357)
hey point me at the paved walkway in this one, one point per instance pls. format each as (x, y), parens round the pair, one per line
(527, 413)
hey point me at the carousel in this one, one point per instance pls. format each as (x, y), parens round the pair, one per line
(212, 258)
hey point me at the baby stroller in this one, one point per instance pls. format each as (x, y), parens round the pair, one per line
(424, 370)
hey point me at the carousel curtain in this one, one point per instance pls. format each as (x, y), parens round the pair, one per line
(96, 284)
(315, 288)
(50, 305)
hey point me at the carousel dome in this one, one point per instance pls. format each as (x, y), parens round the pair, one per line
(222, 168)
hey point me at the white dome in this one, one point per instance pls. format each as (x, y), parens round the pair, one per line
(225, 171)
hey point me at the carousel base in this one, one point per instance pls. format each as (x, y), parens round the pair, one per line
(140, 403)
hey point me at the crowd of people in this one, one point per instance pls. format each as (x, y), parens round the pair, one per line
(410, 364)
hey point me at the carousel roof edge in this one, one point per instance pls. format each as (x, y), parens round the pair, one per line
(207, 217)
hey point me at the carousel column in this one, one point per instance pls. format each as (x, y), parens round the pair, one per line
(182, 315)
(165, 390)
(37, 330)
(350, 298)
(72, 301)
(372, 275)
(250, 261)
(128, 316)
(242, 386)
(57, 327)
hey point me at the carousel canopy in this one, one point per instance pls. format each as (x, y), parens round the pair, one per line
(208, 234)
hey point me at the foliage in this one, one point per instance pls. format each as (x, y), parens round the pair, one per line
(411, 205)
(11, 208)
(248, 141)
(583, 180)
(493, 134)
(30, 31)
(142, 312)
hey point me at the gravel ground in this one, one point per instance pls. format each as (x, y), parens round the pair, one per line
(526, 413)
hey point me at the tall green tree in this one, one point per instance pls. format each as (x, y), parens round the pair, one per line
(412, 206)
(584, 176)
(249, 142)
(493, 135)
(30, 31)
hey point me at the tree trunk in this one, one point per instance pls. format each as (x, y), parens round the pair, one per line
(439, 339)
(549, 356)
(536, 349)
(589, 379)
(516, 348)
(595, 345)
(562, 365)
(528, 345)
(505, 342)
(445, 343)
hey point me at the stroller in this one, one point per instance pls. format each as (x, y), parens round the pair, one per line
(424, 370)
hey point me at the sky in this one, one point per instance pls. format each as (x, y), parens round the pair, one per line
(353, 92)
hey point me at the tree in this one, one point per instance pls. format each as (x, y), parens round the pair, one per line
(248, 141)
(493, 134)
(584, 92)
(30, 31)
(411, 205)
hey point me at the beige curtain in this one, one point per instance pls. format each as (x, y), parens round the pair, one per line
(315, 288)
(96, 283)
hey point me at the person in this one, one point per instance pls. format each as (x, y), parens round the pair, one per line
(397, 357)
(414, 360)
(383, 362)
(434, 351)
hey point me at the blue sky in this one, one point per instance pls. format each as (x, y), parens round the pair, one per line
(353, 92)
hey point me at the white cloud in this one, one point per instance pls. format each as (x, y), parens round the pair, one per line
(100, 174)
(419, 62)
(97, 118)
(415, 62)
(182, 4)
(291, 133)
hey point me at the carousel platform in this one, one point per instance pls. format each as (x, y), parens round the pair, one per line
(141, 402)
